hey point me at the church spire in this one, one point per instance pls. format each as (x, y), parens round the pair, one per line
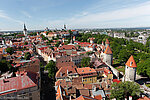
(25, 27)
(64, 26)
(25, 30)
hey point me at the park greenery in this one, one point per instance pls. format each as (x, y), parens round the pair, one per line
(124, 90)
(5, 66)
(122, 49)
(10, 50)
(27, 56)
(51, 67)
(85, 62)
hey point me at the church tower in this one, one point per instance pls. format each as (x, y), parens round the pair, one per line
(25, 30)
(64, 27)
(130, 69)
(108, 56)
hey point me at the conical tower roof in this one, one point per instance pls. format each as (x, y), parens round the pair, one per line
(108, 50)
(131, 62)
(107, 42)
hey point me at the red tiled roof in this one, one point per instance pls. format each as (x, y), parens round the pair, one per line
(131, 62)
(108, 50)
(84, 92)
(107, 71)
(67, 47)
(83, 97)
(73, 30)
(42, 48)
(63, 83)
(97, 63)
(85, 70)
(92, 38)
(62, 72)
(144, 98)
(116, 80)
(98, 97)
(64, 64)
(26, 80)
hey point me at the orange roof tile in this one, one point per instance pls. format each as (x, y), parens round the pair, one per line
(98, 97)
(83, 97)
(144, 98)
(85, 70)
(107, 42)
(108, 50)
(131, 62)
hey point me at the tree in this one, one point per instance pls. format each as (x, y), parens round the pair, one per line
(123, 55)
(27, 56)
(5, 66)
(51, 67)
(25, 43)
(89, 53)
(144, 67)
(10, 50)
(85, 62)
(57, 44)
(124, 90)
(71, 33)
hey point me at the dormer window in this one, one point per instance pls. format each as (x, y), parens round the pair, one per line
(131, 63)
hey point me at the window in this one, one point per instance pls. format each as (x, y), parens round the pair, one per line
(131, 63)
(30, 94)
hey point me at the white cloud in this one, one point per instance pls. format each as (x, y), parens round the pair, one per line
(26, 14)
(5, 16)
(89, 19)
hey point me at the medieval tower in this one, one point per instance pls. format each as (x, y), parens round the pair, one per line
(130, 69)
(108, 56)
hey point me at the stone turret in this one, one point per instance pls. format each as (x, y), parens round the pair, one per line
(108, 56)
(130, 69)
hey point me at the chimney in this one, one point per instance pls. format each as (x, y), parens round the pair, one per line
(130, 97)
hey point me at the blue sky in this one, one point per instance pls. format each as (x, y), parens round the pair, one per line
(38, 14)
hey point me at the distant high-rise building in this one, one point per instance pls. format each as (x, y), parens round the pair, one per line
(25, 30)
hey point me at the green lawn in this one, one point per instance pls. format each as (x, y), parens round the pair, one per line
(122, 69)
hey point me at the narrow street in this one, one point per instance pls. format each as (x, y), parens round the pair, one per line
(47, 85)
